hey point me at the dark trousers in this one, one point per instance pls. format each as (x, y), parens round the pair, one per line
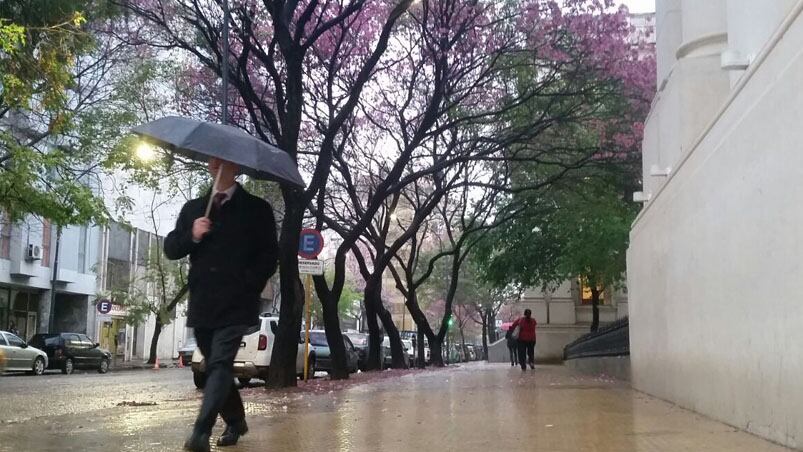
(526, 353)
(513, 354)
(219, 346)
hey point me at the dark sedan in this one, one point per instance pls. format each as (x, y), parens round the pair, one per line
(323, 359)
(70, 351)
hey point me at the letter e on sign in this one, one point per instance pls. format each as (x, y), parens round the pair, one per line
(104, 306)
(310, 243)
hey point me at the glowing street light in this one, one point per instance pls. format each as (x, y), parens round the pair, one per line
(145, 152)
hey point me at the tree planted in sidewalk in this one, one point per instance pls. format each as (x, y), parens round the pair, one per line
(280, 52)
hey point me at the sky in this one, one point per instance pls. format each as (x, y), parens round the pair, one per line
(640, 6)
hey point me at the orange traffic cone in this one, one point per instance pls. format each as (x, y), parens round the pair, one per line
(180, 362)
(156, 364)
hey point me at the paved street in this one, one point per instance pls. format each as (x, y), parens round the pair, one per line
(477, 407)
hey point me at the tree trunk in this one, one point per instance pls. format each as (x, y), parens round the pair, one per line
(484, 336)
(436, 351)
(492, 327)
(396, 347)
(371, 293)
(463, 345)
(420, 319)
(157, 331)
(421, 353)
(595, 293)
(282, 370)
(334, 337)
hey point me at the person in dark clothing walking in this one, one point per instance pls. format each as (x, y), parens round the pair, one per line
(512, 347)
(233, 253)
(526, 340)
(13, 329)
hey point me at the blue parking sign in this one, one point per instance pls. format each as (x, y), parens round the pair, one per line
(310, 243)
(104, 306)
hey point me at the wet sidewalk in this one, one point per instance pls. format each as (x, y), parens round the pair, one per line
(477, 407)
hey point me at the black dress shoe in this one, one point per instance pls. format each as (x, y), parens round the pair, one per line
(232, 434)
(197, 443)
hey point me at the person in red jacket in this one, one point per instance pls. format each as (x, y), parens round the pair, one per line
(526, 339)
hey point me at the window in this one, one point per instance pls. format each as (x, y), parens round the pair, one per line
(143, 248)
(586, 293)
(82, 238)
(119, 243)
(86, 341)
(46, 236)
(316, 339)
(14, 341)
(5, 237)
(118, 275)
(2, 339)
(73, 340)
(5, 299)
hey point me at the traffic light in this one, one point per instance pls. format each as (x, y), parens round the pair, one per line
(451, 321)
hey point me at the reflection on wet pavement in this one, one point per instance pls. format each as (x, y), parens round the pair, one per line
(477, 407)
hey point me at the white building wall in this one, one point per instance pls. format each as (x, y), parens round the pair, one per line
(173, 337)
(714, 267)
(749, 28)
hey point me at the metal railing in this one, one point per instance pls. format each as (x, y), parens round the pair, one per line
(611, 340)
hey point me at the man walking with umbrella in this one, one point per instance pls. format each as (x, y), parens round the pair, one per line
(230, 237)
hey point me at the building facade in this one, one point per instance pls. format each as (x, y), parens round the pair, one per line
(564, 314)
(714, 263)
(33, 297)
(124, 262)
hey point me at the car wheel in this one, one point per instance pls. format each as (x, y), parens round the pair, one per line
(311, 369)
(244, 380)
(38, 366)
(67, 367)
(199, 378)
(104, 366)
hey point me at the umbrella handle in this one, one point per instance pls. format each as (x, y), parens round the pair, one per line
(214, 188)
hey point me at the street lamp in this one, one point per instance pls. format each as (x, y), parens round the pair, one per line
(145, 152)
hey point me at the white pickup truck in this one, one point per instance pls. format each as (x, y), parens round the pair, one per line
(253, 359)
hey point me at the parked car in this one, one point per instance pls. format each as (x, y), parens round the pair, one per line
(70, 351)
(361, 344)
(427, 353)
(253, 358)
(323, 359)
(409, 350)
(21, 357)
(452, 354)
(469, 354)
(186, 350)
(407, 344)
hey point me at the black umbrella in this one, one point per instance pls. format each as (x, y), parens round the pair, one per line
(200, 140)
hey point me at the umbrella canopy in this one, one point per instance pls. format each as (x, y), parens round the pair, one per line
(200, 140)
(506, 326)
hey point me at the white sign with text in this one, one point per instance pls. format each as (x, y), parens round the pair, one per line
(310, 267)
